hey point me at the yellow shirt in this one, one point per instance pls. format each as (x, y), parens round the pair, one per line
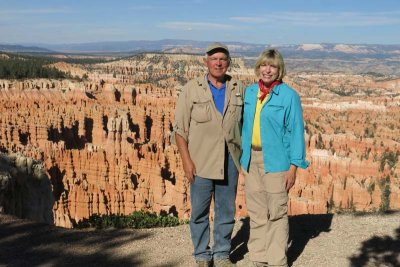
(256, 137)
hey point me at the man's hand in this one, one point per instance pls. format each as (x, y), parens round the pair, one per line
(290, 177)
(188, 165)
(190, 169)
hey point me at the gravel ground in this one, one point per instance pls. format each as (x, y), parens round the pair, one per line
(316, 240)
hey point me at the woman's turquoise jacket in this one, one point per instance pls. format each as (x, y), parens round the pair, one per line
(281, 129)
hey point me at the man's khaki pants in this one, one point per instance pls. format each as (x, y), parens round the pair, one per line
(266, 200)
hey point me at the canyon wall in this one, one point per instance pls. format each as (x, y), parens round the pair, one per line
(25, 189)
(105, 142)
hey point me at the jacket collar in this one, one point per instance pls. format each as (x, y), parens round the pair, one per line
(275, 90)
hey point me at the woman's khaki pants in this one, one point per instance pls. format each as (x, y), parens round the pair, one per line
(266, 201)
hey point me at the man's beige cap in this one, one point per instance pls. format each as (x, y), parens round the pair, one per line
(217, 46)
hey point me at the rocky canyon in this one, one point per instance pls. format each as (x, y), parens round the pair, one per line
(70, 149)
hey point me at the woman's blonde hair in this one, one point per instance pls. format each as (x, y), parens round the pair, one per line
(271, 57)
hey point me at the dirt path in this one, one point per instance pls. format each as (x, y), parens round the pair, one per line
(316, 240)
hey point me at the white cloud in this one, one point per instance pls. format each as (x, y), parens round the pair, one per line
(37, 11)
(193, 26)
(249, 19)
(326, 19)
(140, 8)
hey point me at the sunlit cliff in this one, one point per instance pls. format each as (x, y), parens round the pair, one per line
(105, 142)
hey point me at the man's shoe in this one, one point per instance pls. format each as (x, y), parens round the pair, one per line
(203, 263)
(223, 263)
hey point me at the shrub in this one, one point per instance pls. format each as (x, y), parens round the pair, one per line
(384, 185)
(319, 142)
(137, 220)
(390, 158)
(371, 188)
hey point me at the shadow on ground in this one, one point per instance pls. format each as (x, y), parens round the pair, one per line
(379, 251)
(302, 228)
(26, 243)
(239, 241)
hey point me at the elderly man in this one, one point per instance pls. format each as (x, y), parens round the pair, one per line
(207, 128)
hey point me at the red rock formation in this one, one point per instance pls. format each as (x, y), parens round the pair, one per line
(106, 148)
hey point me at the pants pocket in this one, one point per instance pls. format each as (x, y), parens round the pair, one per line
(274, 182)
(277, 205)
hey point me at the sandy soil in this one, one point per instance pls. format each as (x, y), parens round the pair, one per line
(316, 240)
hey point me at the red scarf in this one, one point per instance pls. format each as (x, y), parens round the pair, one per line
(266, 90)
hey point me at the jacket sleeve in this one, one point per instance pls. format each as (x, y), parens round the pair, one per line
(182, 115)
(294, 134)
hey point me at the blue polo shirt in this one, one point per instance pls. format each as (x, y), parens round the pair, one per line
(218, 96)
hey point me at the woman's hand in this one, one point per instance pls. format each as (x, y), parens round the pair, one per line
(290, 177)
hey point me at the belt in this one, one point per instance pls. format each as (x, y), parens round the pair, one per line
(256, 148)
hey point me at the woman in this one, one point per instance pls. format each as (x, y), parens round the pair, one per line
(273, 149)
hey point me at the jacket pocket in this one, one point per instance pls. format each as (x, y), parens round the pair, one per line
(275, 108)
(236, 106)
(201, 111)
(276, 115)
(236, 100)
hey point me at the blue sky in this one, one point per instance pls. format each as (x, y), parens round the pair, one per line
(251, 21)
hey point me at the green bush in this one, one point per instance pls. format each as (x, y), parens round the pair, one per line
(136, 220)
(390, 158)
(384, 185)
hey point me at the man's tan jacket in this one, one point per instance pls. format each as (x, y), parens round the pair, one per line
(205, 130)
